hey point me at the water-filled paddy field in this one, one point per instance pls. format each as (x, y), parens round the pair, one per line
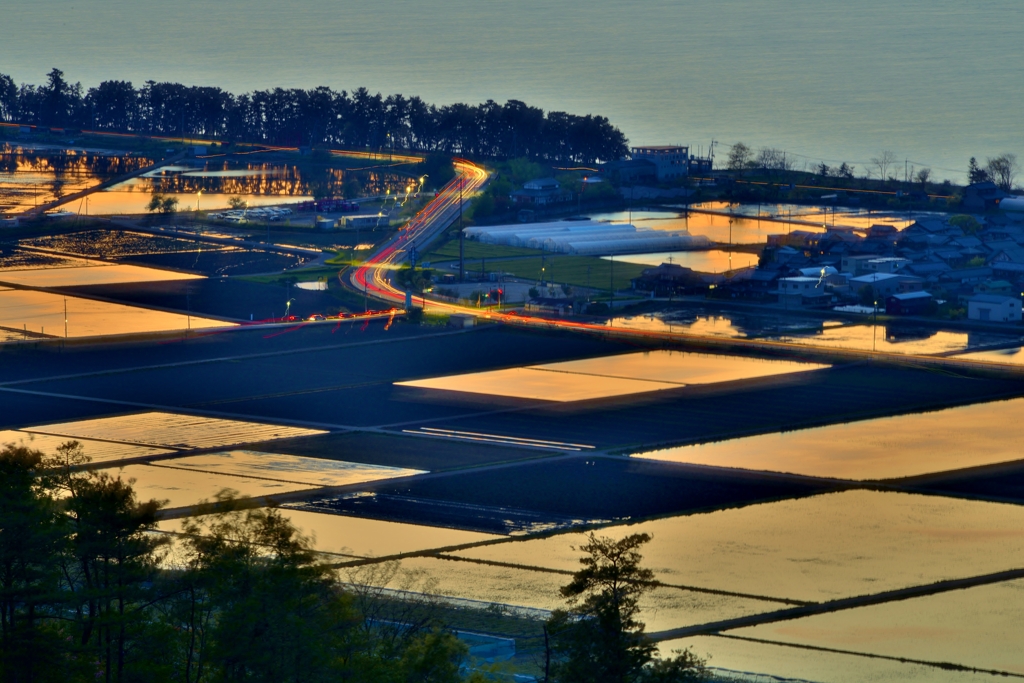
(883, 448)
(362, 538)
(174, 430)
(613, 376)
(44, 313)
(818, 548)
(743, 660)
(976, 627)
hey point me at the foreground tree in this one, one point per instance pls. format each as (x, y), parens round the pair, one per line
(600, 638)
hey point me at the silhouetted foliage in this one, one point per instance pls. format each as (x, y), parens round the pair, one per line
(319, 116)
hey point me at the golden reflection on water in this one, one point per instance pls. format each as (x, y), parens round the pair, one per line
(879, 338)
(709, 261)
(1014, 356)
(97, 451)
(976, 627)
(42, 312)
(90, 273)
(884, 448)
(180, 488)
(177, 431)
(612, 375)
(290, 468)
(345, 535)
(818, 548)
(811, 665)
(663, 608)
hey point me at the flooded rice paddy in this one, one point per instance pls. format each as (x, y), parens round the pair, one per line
(181, 487)
(357, 537)
(38, 314)
(819, 548)
(663, 608)
(897, 338)
(85, 272)
(175, 431)
(96, 451)
(977, 627)
(738, 660)
(753, 223)
(612, 376)
(31, 177)
(290, 468)
(883, 448)
(709, 261)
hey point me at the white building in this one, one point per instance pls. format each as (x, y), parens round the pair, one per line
(802, 290)
(1002, 309)
(671, 161)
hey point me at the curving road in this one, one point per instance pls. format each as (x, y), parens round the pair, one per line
(372, 276)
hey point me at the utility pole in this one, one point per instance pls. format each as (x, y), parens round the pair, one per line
(462, 236)
(65, 317)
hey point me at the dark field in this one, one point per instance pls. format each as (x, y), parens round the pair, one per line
(217, 261)
(552, 494)
(341, 377)
(228, 298)
(399, 451)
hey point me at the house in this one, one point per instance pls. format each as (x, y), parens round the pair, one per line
(670, 161)
(982, 196)
(883, 231)
(884, 285)
(803, 291)
(909, 303)
(999, 287)
(994, 308)
(540, 192)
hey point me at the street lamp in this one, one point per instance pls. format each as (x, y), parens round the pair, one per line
(199, 195)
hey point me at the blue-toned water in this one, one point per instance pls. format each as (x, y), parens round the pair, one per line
(934, 81)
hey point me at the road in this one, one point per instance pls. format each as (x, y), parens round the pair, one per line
(373, 276)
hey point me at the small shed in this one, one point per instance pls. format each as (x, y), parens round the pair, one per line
(909, 303)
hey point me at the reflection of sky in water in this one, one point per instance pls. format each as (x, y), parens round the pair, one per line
(293, 468)
(661, 609)
(817, 548)
(96, 451)
(182, 487)
(711, 261)
(171, 429)
(44, 312)
(885, 338)
(612, 376)
(803, 664)
(90, 273)
(976, 627)
(114, 201)
(883, 448)
(366, 537)
(1014, 356)
(747, 229)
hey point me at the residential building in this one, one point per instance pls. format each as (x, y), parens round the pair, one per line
(982, 196)
(803, 291)
(994, 308)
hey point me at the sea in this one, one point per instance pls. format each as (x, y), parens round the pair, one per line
(935, 82)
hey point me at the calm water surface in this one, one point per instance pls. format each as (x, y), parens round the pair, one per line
(817, 548)
(977, 627)
(885, 448)
(936, 81)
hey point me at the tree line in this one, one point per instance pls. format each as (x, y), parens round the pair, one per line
(318, 116)
(89, 591)
(1002, 170)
